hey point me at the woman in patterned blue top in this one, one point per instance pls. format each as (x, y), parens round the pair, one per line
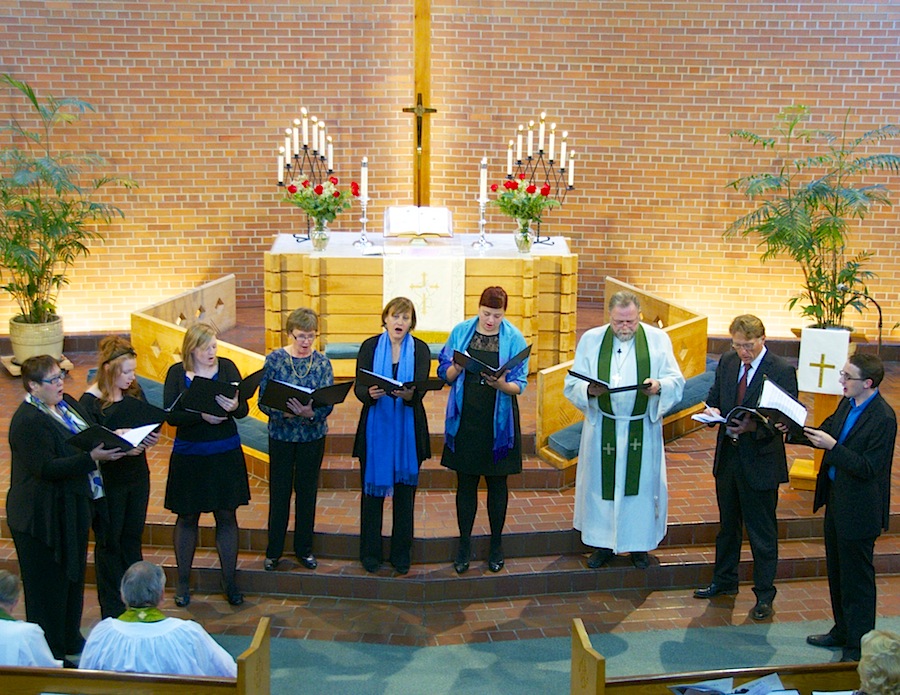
(296, 439)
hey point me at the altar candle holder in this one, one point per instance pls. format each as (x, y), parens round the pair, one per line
(363, 242)
(481, 242)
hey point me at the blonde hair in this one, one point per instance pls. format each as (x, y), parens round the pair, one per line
(114, 351)
(879, 665)
(198, 335)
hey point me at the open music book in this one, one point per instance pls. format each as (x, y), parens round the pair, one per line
(409, 220)
(470, 364)
(611, 389)
(388, 385)
(775, 406)
(93, 436)
(278, 393)
(201, 394)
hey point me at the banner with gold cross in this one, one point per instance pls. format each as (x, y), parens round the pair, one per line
(823, 353)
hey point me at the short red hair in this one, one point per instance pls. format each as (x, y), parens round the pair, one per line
(494, 298)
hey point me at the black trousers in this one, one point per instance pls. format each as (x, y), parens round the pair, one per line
(51, 599)
(370, 525)
(118, 525)
(741, 506)
(293, 468)
(851, 582)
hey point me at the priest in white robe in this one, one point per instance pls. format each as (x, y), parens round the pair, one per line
(143, 640)
(21, 643)
(621, 499)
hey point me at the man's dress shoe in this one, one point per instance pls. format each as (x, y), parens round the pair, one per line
(850, 654)
(762, 611)
(827, 640)
(640, 560)
(714, 590)
(599, 558)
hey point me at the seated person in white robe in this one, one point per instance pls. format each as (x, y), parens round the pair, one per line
(21, 643)
(143, 640)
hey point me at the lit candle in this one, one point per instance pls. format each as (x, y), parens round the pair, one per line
(287, 143)
(305, 126)
(296, 136)
(541, 132)
(571, 169)
(482, 185)
(552, 140)
(280, 165)
(364, 179)
(322, 137)
(519, 144)
(562, 148)
(509, 159)
(330, 155)
(530, 139)
(315, 134)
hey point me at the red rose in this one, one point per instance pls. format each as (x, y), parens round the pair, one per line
(508, 184)
(318, 189)
(514, 185)
(494, 187)
(305, 184)
(545, 190)
(333, 180)
(522, 176)
(336, 194)
(354, 188)
(531, 190)
(292, 188)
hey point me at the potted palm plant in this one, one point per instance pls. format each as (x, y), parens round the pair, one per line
(808, 204)
(49, 212)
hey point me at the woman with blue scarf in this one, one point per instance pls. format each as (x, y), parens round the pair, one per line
(481, 431)
(392, 437)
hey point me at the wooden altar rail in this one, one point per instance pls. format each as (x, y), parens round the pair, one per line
(347, 295)
(686, 329)
(589, 674)
(253, 677)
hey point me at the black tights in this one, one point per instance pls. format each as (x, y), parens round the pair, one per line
(467, 505)
(185, 537)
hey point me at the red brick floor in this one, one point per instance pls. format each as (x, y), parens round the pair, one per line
(451, 622)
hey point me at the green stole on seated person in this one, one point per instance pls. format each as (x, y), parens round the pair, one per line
(5, 616)
(142, 615)
(635, 427)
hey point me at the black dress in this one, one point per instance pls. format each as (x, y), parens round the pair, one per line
(475, 438)
(204, 482)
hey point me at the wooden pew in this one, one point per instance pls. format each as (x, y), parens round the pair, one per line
(253, 677)
(589, 670)
(685, 328)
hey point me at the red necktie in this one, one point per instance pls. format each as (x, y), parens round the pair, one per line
(742, 385)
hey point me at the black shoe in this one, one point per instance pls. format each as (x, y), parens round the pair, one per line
(599, 558)
(850, 654)
(371, 565)
(308, 561)
(714, 590)
(461, 564)
(232, 595)
(270, 564)
(828, 640)
(640, 560)
(495, 561)
(401, 569)
(762, 611)
(182, 600)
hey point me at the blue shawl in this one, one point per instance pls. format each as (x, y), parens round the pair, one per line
(390, 428)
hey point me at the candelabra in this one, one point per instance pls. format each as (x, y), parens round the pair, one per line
(306, 165)
(363, 241)
(541, 170)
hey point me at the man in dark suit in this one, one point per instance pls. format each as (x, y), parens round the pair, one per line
(749, 466)
(854, 486)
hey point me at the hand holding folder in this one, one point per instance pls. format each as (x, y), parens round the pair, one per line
(201, 395)
(610, 389)
(389, 386)
(95, 435)
(278, 393)
(471, 364)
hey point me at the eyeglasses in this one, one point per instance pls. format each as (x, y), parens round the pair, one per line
(303, 337)
(744, 346)
(847, 377)
(56, 380)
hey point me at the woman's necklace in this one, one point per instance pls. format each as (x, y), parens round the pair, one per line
(308, 366)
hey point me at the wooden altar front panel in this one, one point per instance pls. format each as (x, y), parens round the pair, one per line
(345, 289)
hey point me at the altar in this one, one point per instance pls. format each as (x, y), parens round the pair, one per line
(344, 285)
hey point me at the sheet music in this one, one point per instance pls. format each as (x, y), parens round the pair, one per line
(773, 396)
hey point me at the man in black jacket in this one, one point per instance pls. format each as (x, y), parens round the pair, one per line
(749, 466)
(854, 486)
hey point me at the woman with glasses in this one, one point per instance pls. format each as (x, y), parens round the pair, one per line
(48, 506)
(116, 401)
(207, 471)
(296, 439)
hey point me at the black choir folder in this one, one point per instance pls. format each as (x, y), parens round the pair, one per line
(95, 435)
(775, 406)
(470, 364)
(278, 393)
(388, 385)
(611, 389)
(201, 394)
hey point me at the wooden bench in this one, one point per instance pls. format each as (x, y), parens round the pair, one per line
(253, 677)
(687, 331)
(589, 674)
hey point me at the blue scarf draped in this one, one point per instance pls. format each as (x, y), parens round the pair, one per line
(390, 428)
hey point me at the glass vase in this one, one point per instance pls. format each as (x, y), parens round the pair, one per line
(524, 236)
(319, 235)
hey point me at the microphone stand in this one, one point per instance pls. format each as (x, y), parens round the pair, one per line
(865, 296)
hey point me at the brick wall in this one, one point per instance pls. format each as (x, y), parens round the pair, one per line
(192, 100)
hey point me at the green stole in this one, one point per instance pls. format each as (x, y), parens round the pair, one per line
(5, 616)
(635, 427)
(142, 615)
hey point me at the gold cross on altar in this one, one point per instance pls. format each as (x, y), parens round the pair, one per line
(425, 292)
(420, 111)
(821, 366)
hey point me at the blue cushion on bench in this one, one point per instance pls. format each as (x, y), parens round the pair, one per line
(567, 441)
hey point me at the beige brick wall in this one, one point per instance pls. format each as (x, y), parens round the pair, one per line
(192, 99)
